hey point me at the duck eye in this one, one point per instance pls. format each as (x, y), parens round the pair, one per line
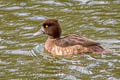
(46, 26)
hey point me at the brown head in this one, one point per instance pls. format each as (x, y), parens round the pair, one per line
(50, 27)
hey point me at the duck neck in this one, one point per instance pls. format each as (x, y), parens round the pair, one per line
(51, 37)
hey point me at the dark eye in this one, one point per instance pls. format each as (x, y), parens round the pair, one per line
(47, 25)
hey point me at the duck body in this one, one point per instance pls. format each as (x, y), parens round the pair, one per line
(71, 44)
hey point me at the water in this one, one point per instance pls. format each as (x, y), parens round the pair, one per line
(22, 56)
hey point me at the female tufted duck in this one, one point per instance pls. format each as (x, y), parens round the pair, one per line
(72, 44)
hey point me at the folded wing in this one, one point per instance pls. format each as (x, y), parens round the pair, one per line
(76, 40)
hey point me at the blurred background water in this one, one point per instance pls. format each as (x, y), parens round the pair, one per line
(22, 56)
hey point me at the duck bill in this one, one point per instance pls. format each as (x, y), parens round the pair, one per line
(41, 31)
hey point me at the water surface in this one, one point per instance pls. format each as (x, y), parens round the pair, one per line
(22, 56)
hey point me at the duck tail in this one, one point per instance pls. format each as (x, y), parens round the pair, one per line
(107, 51)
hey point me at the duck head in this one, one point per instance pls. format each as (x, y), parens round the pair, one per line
(50, 27)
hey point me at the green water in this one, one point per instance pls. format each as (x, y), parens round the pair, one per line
(22, 56)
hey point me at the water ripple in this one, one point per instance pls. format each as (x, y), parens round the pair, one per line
(37, 18)
(23, 56)
(12, 8)
(21, 14)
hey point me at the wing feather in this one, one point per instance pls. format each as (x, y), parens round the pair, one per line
(75, 39)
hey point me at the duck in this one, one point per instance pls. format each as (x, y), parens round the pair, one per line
(68, 45)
